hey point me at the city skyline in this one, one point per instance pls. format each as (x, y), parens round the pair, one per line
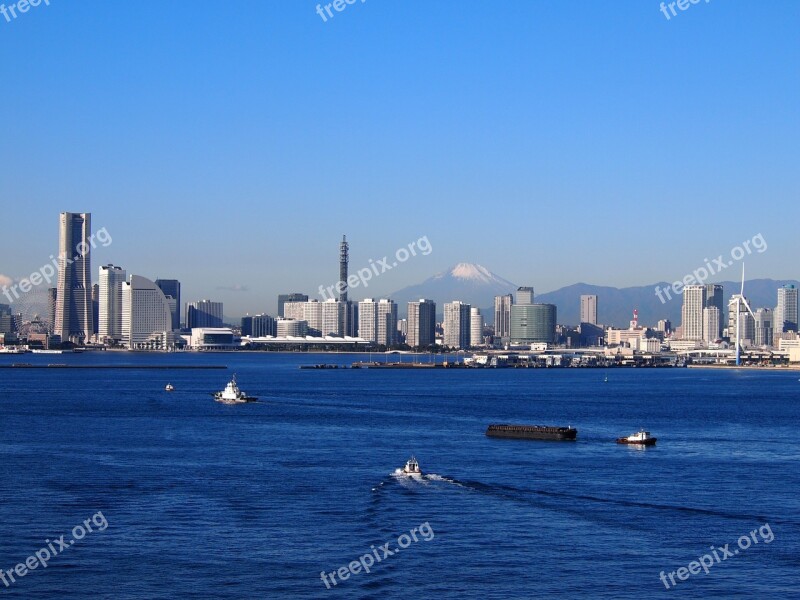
(656, 135)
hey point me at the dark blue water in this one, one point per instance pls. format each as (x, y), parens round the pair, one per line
(204, 500)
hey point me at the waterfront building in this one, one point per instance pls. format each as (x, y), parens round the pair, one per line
(333, 317)
(172, 291)
(747, 324)
(110, 284)
(457, 324)
(502, 316)
(261, 325)
(712, 317)
(204, 313)
(476, 327)
(146, 319)
(421, 323)
(786, 317)
(73, 317)
(696, 298)
(386, 325)
(533, 323)
(764, 324)
(291, 328)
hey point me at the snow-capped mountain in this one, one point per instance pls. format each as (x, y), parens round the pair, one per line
(467, 282)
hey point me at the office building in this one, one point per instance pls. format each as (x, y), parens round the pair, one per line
(291, 328)
(204, 313)
(172, 291)
(110, 303)
(457, 324)
(786, 310)
(533, 323)
(52, 294)
(502, 316)
(421, 324)
(284, 298)
(73, 318)
(146, 319)
(589, 309)
(333, 316)
(6, 320)
(386, 322)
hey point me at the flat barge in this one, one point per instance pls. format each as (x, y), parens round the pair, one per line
(532, 432)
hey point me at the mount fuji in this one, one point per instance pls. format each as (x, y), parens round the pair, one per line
(467, 282)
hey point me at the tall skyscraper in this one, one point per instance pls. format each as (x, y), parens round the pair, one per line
(74, 296)
(333, 315)
(52, 294)
(589, 309)
(456, 324)
(172, 291)
(475, 327)
(344, 259)
(421, 324)
(502, 316)
(146, 318)
(204, 313)
(696, 298)
(284, 298)
(525, 295)
(377, 321)
(110, 303)
(786, 310)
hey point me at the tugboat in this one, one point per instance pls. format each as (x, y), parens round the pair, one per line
(412, 468)
(169, 388)
(642, 438)
(232, 394)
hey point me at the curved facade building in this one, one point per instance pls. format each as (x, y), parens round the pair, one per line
(146, 315)
(533, 323)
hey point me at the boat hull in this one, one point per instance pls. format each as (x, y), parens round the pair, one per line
(532, 432)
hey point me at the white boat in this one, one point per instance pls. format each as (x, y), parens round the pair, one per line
(169, 387)
(641, 437)
(12, 350)
(232, 394)
(412, 467)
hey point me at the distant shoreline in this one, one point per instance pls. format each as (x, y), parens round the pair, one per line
(748, 367)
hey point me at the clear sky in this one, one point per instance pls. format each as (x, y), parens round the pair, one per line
(231, 144)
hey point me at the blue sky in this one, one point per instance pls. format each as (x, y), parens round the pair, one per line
(232, 144)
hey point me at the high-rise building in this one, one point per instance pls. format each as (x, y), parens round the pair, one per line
(402, 331)
(786, 310)
(525, 295)
(172, 291)
(110, 303)
(695, 299)
(284, 298)
(664, 325)
(421, 323)
(502, 316)
(476, 327)
(73, 319)
(367, 320)
(204, 313)
(6, 320)
(712, 317)
(333, 315)
(377, 321)
(312, 314)
(146, 319)
(351, 318)
(589, 309)
(386, 322)
(457, 324)
(764, 327)
(291, 327)
(95, 306)
(533, 323)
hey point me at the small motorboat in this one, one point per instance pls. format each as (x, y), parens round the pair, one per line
(232, 394)
(641, 437)
(412, 467)
(169, 388)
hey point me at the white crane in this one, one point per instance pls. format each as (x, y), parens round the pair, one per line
(739, 301)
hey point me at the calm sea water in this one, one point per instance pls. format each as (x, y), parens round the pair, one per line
(204, 500)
